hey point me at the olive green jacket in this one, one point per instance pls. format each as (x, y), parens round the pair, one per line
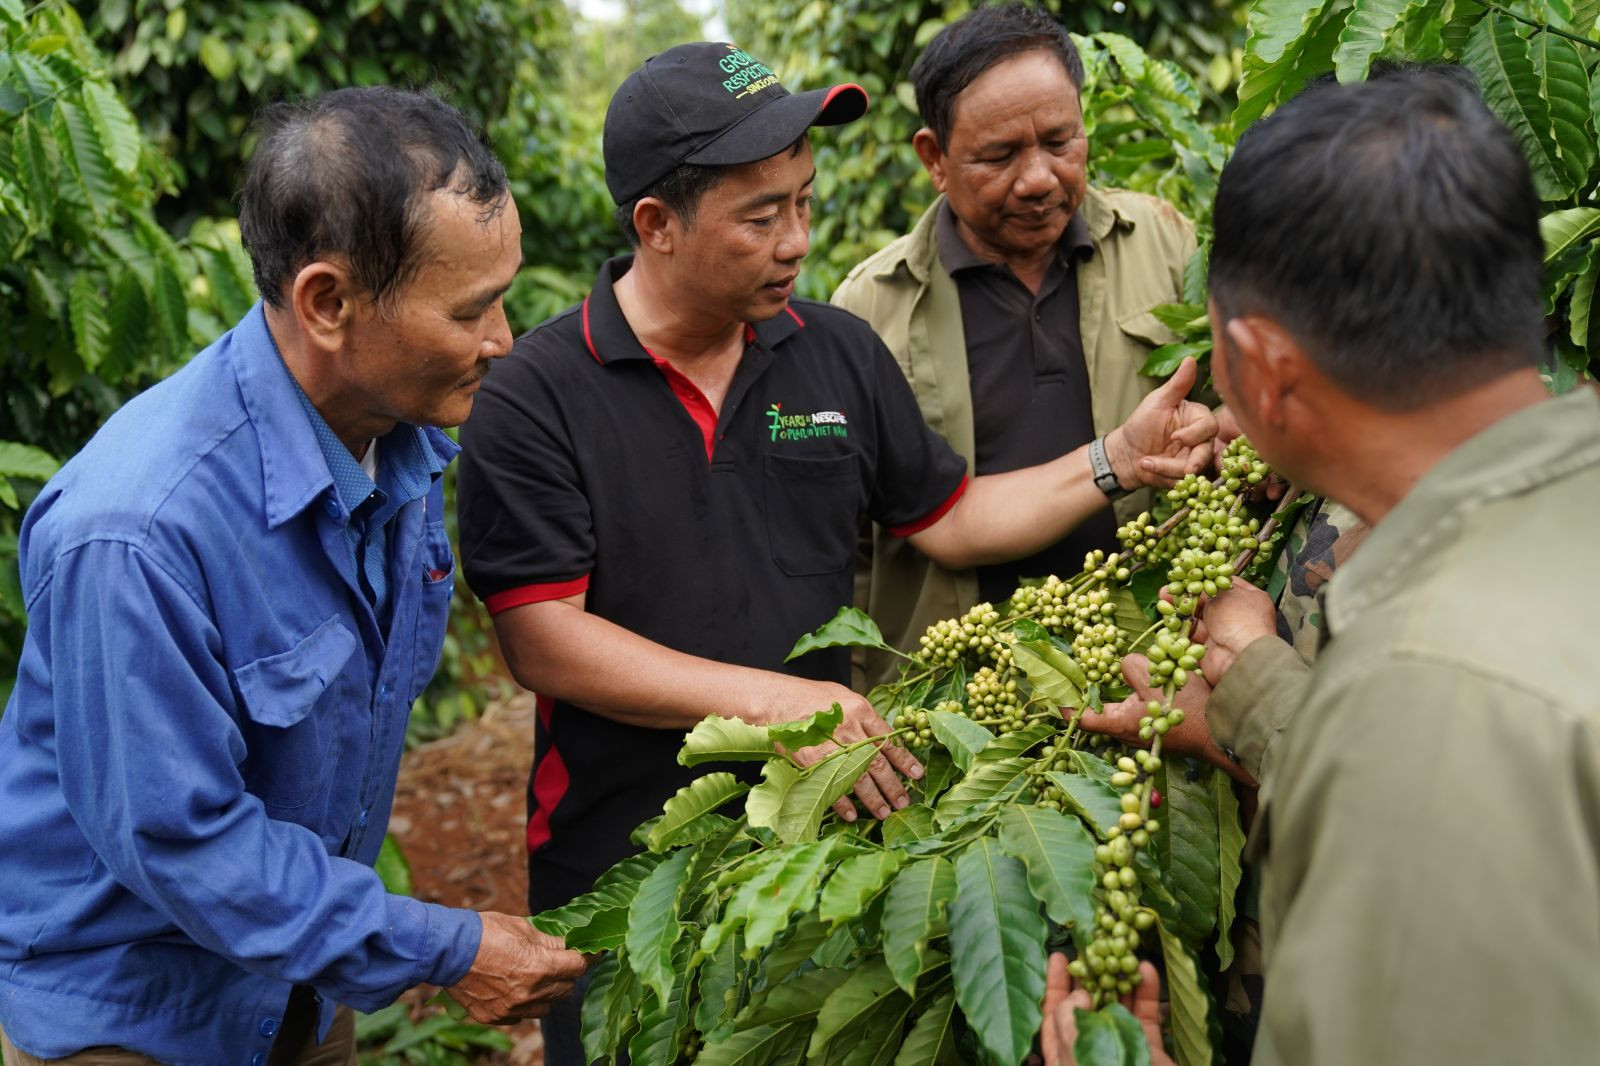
(1429, 831)
(1141, 246)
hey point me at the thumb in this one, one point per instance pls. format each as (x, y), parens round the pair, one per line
(1182, 380)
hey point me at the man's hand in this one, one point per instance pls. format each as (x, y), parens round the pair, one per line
(519, 971)
(879, 789)
(1165, 438)
(1190, 737)
(1230, 622)
(1062, 996)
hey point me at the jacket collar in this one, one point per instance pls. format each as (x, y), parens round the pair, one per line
(920, 255)
(294, 471)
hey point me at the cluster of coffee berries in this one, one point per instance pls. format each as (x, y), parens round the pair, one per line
(952, 640)
(1098, 649)
(995, 699)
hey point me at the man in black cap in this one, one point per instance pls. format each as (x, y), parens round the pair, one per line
(662, 487)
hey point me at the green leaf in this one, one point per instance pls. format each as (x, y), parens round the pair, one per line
(1274, 25)
(607, 1013)
(1011, 745)
(794, 950)
(915, 912)
(1188, 999)
(718, 739)
(701, 796)
(663, 1021)
(990, 782)
(24, 460)
(653, 926)
(1098, 802)
(1565, 85)
(1580, 311)
(1182, 318)
(719, 980)
(808, 798)
(938, 771)
(960, 735)
(1499, 57)
(1164, 360)
(765, 801)
(1230, 850)
(932, 1040)
(391, 866)
(796, 999)
(129, 320)
(1563, 230)
(217, 57)
(35, 174)
(114, 123)
(756, 1047)
(1188, 817)
(86, 157)
(855, 882)
(91, 335)
(598, 920)
(763, 905)
(1303, 36)
(1051, 671)
(1059, 855)
(172, 308)
(815, 729)
(849, 628)
(907, 825)
(853, 1017)
(1109, 1036)
(233, 298)
(997, 954)
(1367, 30)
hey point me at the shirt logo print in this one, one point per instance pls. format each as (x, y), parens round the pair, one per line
(806, 427)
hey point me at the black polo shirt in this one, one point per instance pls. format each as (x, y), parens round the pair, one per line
(591, 465)
(1029, 383)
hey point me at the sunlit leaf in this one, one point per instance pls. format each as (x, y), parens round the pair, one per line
(961, 736)
(1059, 855)
(855, 882)
(849, 628)
(1499, 58)
(718, 739)
(699, 797)
(653, 926)
(1188, 999)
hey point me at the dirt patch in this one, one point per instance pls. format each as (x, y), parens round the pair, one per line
(460, 817)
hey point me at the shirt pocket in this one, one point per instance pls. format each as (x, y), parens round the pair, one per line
(813, 507)
(287, 744)
(433, 605)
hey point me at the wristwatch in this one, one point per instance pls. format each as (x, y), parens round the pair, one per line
(1105, 479)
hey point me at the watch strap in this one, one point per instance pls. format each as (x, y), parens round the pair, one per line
(1105, 479)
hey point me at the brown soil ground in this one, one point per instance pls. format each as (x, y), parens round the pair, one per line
(460, 817)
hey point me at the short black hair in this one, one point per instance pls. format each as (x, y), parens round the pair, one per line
(974, 43)
(681, 190)
(1392, 227)
(345, 174)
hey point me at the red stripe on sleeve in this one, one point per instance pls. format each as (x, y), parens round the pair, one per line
(912, 528)
(526, 594)
(549, 784)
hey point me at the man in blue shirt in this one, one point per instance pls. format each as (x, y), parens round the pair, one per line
(235, 592)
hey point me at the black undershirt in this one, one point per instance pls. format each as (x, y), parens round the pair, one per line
(1030, 387)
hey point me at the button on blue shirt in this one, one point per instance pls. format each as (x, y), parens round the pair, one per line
(196, 731)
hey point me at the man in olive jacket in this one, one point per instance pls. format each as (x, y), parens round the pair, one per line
(1019, 306)
(1429, 823)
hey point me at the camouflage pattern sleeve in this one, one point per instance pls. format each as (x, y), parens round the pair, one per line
(1326, 534)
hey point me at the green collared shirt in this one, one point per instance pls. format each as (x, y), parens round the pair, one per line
(1429, 830)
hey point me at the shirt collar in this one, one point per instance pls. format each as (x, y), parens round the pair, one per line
(1519, 453)
(295, 466)
(610, 338)
(1075, 242)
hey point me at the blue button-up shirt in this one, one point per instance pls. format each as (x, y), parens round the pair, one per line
(199, 756)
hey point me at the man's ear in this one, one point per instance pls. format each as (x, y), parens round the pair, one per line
(323, 300)
(927, 147)
(1268, 367)
(657, 224)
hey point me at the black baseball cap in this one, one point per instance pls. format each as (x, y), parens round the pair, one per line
(712, 104)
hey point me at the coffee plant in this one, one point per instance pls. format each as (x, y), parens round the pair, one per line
(787, 934)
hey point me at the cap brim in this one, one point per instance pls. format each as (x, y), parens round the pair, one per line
(768, 130)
